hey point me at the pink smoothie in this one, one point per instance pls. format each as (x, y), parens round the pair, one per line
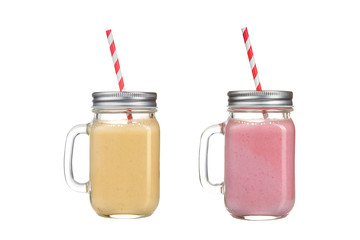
(259, 167)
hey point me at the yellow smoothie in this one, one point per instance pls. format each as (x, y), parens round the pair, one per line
(124, 167)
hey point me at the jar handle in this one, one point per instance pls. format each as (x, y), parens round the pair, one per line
(68, 155)
(203, 159)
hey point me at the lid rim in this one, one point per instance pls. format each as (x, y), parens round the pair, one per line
(114, 100)
(257, 99)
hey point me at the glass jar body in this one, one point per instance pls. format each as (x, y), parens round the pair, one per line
(124, 162)
(259, 179)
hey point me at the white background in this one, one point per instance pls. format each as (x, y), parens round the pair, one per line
(54, 55)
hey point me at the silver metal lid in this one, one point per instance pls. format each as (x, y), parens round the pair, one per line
(124, 100)
(249, 99)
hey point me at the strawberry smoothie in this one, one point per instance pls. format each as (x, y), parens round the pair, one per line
(259, 167)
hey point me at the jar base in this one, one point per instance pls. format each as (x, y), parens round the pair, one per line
(124, 216)
(258, 217)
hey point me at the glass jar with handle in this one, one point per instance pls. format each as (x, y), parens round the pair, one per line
(124, 179)
(259, 179)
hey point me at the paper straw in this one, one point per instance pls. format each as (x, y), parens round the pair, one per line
(115, 59)
(251, 59)
(253, 64)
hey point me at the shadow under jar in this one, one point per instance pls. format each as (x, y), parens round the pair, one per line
(124, 135)
(259, 179)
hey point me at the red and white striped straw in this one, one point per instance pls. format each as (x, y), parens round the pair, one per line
(115, 60)
(251, 59)
(117, 67)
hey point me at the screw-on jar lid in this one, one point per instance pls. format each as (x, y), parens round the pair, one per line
(249, 99)
(124, 100)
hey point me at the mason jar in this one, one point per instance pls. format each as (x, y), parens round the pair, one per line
(124, 180)
(259, 178)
